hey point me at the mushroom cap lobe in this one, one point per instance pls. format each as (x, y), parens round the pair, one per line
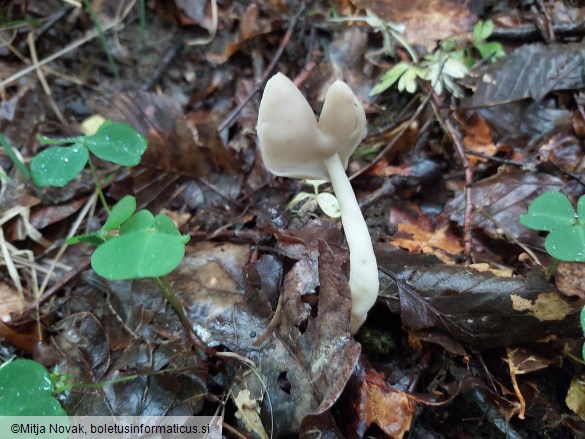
(292, 142)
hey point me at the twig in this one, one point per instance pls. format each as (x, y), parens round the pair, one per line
(90, 36)
(550, 32)
(454, 135)
(285, 41)
(212, 32)
(35, 62)
(173, 50)
(530, 31)
(405, 126)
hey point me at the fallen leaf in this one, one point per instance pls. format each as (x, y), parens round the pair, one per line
(426, 21)
(478, 137)
(500, 200)
(417, 234)
(570, 278)
(475, 308)
(530, 71)
(388, 408)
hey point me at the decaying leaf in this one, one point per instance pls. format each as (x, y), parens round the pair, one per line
(313, 333)
(570, 278)
(426, 22)
(418, 234)
(500, 200)
(475, 308)
(173, 146)
(390, 409)
(531, 71)
(575, 399)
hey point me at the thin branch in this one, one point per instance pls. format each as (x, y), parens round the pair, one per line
(285, 41)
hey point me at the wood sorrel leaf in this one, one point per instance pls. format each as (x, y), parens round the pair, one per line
(118, 143)
(548, 212)
(138, 255)
(141, 220)
(567, 243)
(163, 224)
(27, 390)
(58, 165)
(120, 213)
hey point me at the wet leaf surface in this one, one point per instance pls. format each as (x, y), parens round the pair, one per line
(531, 71)
(471, 307)
(466, 338)
(500, 200)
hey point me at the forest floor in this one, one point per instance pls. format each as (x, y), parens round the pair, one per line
(476, 330)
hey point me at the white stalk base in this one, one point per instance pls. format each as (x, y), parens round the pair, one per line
(363, 270)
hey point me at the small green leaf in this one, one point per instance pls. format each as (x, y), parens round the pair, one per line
(26, 389)
(408, 80)
(120, 213)
(482, 31)
(141, 220)
(581, 209)
(582, 318)
(118, 143)
(548, 212)
(89, 238)
(492, 50)
(329, 205)
(298, 198)
(138, 255)
(567, 243)
(389, 78)
(14, 158)
(58, 165)
(163, 224)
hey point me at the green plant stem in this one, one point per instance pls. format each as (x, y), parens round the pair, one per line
(60, 140)
(98, 185)
(123, 379)
(169, 294)
(164, 285)
(142, 14)
(102, 38)
(14, 158)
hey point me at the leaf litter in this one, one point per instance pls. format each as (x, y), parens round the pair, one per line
(261, 283)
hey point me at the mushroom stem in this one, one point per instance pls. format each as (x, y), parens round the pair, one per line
(363, 269)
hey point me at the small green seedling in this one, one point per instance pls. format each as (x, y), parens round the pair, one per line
(444, 66)
(326, 201)
(440, 68)
(552, 212)
(26, 389)
(488, 50)
(114, 142)
(130, 243)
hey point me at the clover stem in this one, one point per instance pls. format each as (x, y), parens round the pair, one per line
(363, 270)
(60, 140)
(168, 292)
(98, 185)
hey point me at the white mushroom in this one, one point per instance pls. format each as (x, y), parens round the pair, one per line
(294, 144)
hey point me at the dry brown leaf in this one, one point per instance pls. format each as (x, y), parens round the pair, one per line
(426, 21)
(478, 138)
(419, 235)
(388, 408)
(570, 278)
(10, 302)
(546, 307)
